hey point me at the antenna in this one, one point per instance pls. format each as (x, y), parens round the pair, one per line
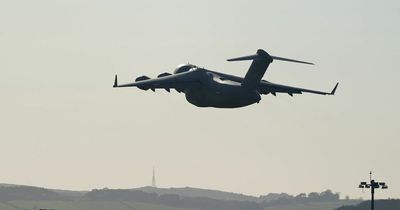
(153, 181)
(370, 175)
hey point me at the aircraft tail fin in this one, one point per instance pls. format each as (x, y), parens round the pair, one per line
(261, 61)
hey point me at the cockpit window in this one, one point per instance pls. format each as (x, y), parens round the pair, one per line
(183, 68)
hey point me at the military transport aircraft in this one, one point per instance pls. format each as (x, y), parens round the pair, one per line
(206, 88)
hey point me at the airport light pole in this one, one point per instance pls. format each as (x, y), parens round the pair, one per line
(373, 185)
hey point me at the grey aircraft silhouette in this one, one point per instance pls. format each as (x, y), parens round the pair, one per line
(206, 88)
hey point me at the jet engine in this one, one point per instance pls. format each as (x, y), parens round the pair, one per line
(163, 75)
(141, 78)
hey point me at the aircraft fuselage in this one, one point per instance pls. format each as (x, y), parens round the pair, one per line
(219, 92)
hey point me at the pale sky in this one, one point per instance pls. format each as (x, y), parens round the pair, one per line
(64, 126)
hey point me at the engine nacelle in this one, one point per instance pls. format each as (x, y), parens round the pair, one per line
(163, 75)
(141, 79)
(183, 68)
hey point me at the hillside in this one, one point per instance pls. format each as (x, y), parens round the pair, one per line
(62, 193)
(16, 197)
(379, 204)
(196, 192)
(313, 205)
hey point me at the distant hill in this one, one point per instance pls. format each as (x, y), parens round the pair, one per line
(69, 193)
(197, 192)
(171, 200)
(379, 204)
(19, 197)
(8, 185)
(270, 199)
(10, 193)
(182, 192)
(62, 193)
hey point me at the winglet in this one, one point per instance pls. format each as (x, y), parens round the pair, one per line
(115, 82)
(334, 89)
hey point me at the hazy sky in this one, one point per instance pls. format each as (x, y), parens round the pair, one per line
(64, 126)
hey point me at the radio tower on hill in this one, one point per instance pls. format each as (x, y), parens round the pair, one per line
(153, 181)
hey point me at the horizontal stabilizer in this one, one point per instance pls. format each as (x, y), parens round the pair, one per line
(261, 54)
(290, 60)
(244, 58)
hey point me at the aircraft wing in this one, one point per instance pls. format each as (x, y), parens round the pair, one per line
(266, 87)
(179, 82)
